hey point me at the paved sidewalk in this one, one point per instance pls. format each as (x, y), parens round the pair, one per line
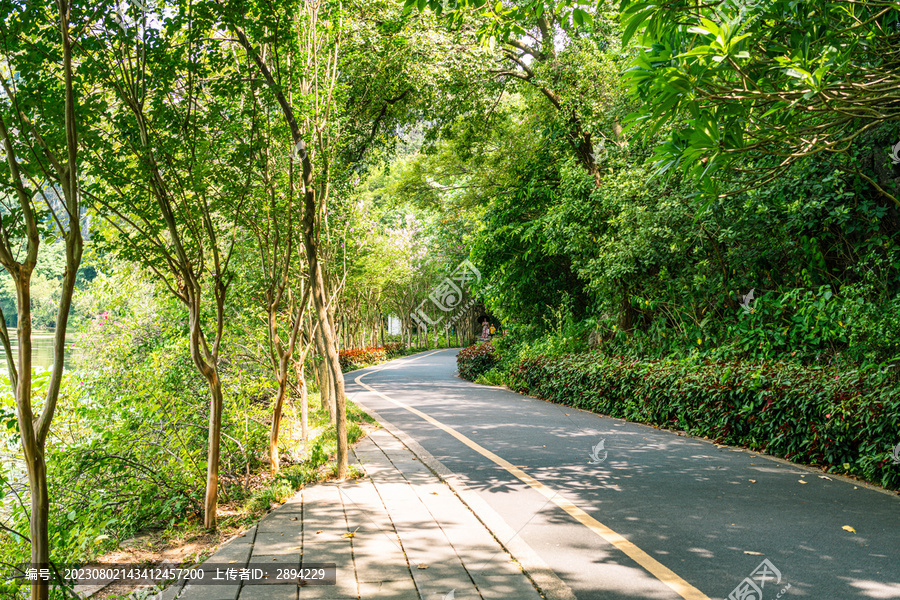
(398, 534)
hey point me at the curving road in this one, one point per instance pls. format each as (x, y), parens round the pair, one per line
(647, 515)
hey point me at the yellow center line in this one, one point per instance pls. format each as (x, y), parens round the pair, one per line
(653, 566)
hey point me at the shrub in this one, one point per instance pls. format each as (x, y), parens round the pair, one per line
(842, 420)
(476, 360)
(357, 358)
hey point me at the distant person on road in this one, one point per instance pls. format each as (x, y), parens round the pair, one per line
(486, 330)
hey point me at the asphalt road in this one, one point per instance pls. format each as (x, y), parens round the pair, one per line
(651, 515)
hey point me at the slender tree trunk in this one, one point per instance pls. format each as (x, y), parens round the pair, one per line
(210, 503)
(326, 385)
(32, 447)
(340, 400)
(304, 403)
(317, 284)
(275, 462)
(206, 363)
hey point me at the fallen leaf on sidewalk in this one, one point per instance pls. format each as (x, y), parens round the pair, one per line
(434, 493)
(421, 566)
(296, 548)
(753, 553)
(319, 531)
(349, 534)
(293, 518)
(752, 481)
(801, 481)
(848, 528)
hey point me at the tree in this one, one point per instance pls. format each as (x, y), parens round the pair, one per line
(319, 80)
(345, 77)
(174, 174)
(273, 227)
(744, 90)
(529, 37)
(39, 131)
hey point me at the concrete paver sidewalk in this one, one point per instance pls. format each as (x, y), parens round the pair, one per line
(399, 534)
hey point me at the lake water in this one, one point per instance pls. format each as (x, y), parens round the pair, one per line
(41, 350)
(42, 358)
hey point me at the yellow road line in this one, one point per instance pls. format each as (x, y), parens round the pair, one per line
(653, 566)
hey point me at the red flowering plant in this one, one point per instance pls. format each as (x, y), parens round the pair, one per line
(476, 360)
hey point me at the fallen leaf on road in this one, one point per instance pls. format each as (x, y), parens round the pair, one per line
(801, 481)
(752, 481)
(422, 566)
(319, 531)
(231, 562)
(434, 493)
(753, 553)
(848, 528)
(826, 477)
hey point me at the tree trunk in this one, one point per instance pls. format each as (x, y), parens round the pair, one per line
(210, 502)
(326, 385)
(627, 312)
(304, 402)
(334, 363)
(275, 463)
(32, 447)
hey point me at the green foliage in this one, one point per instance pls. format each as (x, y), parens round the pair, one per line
(496, 376)
(842, 420)
(732, 81)
(476, 360)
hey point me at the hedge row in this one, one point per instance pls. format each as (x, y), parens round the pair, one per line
(847, 422)
(357, 358)
(476, 360)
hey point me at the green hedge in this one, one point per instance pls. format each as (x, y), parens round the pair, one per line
(476, 360)
(844, 421)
